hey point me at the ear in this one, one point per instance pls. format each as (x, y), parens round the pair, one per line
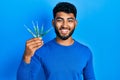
(76, 23)
(53, 22)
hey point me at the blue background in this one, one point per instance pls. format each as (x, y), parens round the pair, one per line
(98, 28)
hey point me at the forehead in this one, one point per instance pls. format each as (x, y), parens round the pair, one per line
(64, 15)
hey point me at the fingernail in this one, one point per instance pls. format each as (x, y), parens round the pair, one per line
(40, 38)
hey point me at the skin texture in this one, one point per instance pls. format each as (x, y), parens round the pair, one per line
(31, 46)
(64, 25)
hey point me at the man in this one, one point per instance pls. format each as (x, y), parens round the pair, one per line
(62, 58)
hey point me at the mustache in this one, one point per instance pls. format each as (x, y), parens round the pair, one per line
(64, 28)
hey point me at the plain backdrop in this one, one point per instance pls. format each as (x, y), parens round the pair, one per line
(98, 28)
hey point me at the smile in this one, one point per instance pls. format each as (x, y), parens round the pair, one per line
(64, 31)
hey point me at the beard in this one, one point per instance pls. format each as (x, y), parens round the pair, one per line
(64, 37)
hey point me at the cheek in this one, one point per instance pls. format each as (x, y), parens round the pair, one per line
(72, 26)
(58, 25)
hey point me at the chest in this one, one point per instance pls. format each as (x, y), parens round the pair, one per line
(64, 61)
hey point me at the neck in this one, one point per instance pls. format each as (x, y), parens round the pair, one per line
(66, 42)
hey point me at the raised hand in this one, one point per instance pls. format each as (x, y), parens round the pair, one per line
(31, 46)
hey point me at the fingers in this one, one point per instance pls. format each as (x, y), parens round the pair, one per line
(34, 42)
(31, 46)
(34, 39)
(36, 45)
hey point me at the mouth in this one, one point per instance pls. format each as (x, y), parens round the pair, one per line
(64, 31)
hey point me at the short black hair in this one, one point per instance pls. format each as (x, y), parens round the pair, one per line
(64, 7)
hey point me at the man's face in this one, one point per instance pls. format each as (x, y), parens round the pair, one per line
(64, 24)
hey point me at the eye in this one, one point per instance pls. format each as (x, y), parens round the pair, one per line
(70, 20)
(59, 20)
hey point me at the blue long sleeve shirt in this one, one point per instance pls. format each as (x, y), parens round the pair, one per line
(57, 62)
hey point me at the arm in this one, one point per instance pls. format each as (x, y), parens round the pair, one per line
(23, 72)
(88, 72)
(32, 71)
(30, 68)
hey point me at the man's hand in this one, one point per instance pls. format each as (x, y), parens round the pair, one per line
(31, 46)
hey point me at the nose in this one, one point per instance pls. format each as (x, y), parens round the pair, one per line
(65, 24)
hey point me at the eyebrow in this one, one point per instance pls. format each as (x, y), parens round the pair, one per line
(58, 18)
(67, 18)
(72, 18)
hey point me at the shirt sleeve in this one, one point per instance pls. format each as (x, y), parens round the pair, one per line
(32, 71)
(88, 72)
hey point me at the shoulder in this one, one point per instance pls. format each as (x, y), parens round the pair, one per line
(83, 48)
(49, 42)
(45, 48)
(80, 45)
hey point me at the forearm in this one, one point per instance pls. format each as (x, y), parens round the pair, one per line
(31, 71)
(88, 71)
(24, 71)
